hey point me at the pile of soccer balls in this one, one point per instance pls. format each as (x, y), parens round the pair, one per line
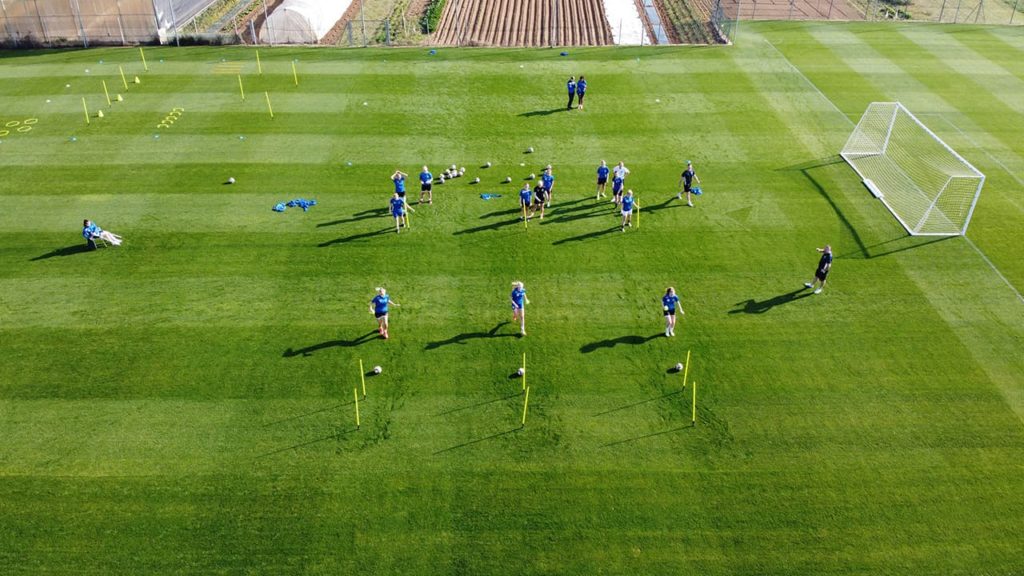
(451, 172)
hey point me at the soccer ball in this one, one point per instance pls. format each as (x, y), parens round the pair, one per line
(488, 164)
(463, 169)
(453, 167)
(521, 371)
(476, 180)
(529, 150)
(441, 179)
(532, 175)
(231, 180)
(377, 369)
(508, 179)
(679, 367)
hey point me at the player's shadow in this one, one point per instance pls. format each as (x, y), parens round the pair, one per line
(752, 306)
(479, 404)
(485, 227)
(466, 336)
(355, 237)
(308, 414)
(65, 251)
(671, 202)
(587, 236)
(309, 350)
(559, 207)
(631, 340)
(548, 112)
(478, 440)
(364, 215)
(651, 435)
(579, 213)
(640, 403)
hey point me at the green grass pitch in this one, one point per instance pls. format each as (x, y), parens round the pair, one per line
(183, 404)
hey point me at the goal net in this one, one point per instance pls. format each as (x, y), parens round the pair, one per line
(926, 185)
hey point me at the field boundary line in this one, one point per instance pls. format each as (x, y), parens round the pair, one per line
(985, 258)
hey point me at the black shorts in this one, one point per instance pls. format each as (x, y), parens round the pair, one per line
(426, 187)
(538, 203)
(579, 97)
(821, 274)
(687, 188)
(670, 312)
(401, 194)
(602, 180)
(379, 314)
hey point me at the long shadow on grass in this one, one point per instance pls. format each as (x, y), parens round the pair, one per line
(364, 215)
(65, 251)
(465, 336)
(309, 350)
(587, 236)
(652, 435)
(542, 112)
(640, 403)
(486, 227)
(307, 414)
(558, 206)
(613, 342)
(479, 404)
(357, 237)
(334, 436)
(752, 306)
(478, 440)
(893, 246)
(805, 169)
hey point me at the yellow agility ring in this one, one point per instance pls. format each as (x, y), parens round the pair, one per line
(24, 129)
(12, 123)
(31, 121)
(4, 133)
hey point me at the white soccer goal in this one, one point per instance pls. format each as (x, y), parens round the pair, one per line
(926, 185)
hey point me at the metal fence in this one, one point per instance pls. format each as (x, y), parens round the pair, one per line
(55, 23)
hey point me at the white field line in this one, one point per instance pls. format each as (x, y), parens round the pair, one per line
(826, 98)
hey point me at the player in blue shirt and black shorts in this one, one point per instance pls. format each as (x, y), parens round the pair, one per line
(581, 91)
(602, 178)
(571, 86)
(821, 273)
(669, 302)
(525, 199)
(379, 308)
(549, 182)
(519, 302)
(397, 207)
(426, 185)
(627, 209)
(399, 180)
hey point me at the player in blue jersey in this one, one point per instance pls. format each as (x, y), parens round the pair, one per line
(397, 207)
(821, 273)
(669, 303)
(686, 180)
(525, 199)
(571, 87)
(519, 302)
(627, 209)
(426, 186)
(581, 91)
(399, 180)
(549, 182)
(602, 179)
(619, 174)
(379, 308)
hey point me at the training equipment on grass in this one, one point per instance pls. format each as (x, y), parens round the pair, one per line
(143, 54)
(526, 404)
(529, 150)
(231, 180)
(362, 375)
(295, 73)
(355, 394)
(508, 179)
(240, 88)
(269, 107)
(105, 92)
(259, 65)
(522, 371)
(99, 113)
(487, 165)
(925, 184)
(123, 79)
(693, 417)
(687, 368)
(678, 367)
(86, 108)
(476, 180)
(377, 369)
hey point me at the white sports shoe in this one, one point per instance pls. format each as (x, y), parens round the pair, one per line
(808, 284)
(818, 291)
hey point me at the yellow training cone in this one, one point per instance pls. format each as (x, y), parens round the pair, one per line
(137, 81)
(99, 114)
(120, 98)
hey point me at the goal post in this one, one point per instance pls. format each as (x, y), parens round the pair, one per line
(925, 184)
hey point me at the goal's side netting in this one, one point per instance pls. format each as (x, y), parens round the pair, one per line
(926, 185)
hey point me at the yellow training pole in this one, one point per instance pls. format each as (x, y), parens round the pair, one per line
(526, 223)
(637, 203)
(86, 108)
(123, 80)
(106, 92)
(143, 54)
(524, 370)
(240, 88)
(526, 402)
(269, 107)
(355, 394)
(693, 421)
(686, 369)
(362, 376)
(295, 73)
(259, 65)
